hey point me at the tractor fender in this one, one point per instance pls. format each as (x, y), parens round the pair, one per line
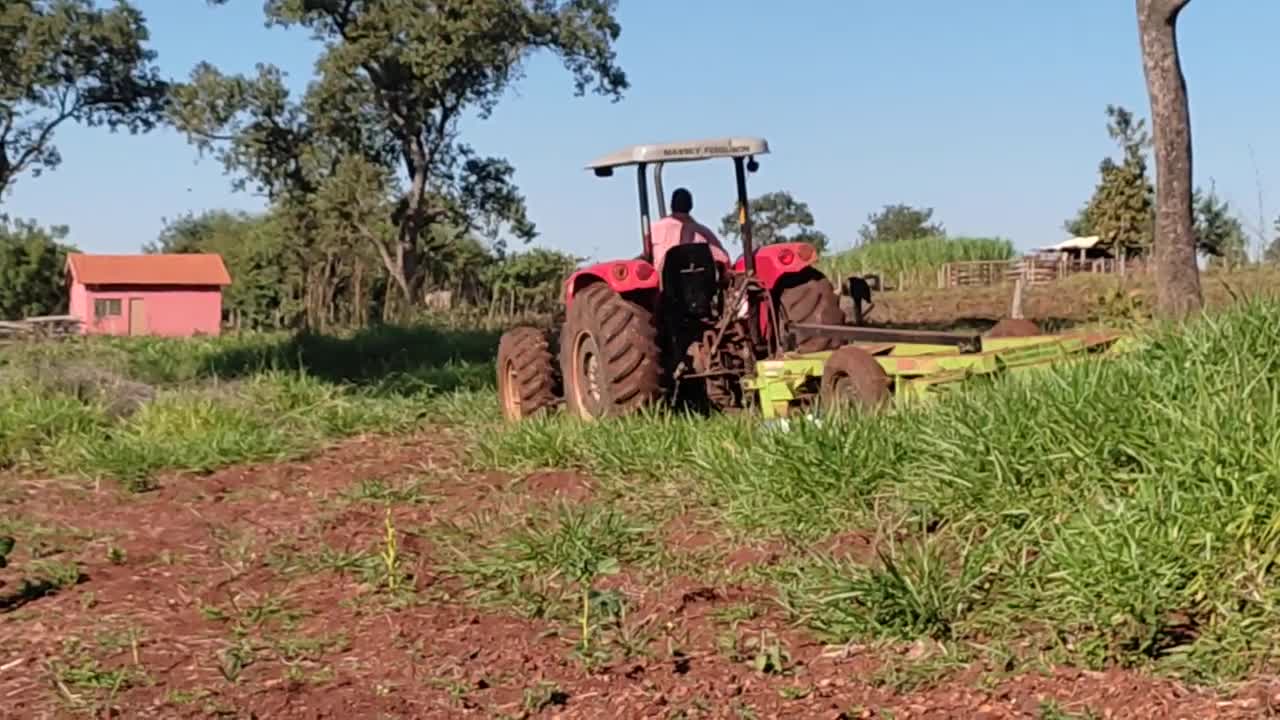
(622, 276)
(773, 262)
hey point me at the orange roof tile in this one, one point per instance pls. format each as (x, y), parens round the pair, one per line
(157, 269)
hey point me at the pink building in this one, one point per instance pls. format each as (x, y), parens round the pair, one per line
(177, 295)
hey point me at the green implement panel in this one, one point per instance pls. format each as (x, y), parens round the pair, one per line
(919, 369)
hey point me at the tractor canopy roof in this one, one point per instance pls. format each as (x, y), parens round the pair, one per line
(729, 147)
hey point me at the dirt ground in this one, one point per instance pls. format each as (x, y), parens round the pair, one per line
(199, 600)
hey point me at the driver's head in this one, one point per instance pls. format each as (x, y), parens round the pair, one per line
(681, 201)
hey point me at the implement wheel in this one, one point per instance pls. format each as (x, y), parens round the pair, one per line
(851, 378)
(1013, 328)
(527, 377)
(807, 297)
(609, 355)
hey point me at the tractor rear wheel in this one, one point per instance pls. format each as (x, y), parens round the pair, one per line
(808, 297)
(851, 378)
(1013, 328)
(609, 355)
(527, 376)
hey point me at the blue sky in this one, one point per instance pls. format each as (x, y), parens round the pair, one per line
(989, 111)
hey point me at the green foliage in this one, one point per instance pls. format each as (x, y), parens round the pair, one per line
(70, 61)
(32, 269)
(1272, 254)
(532, 280)
(776, 217)
(279, 281)
(895, 223)
(231, 399)
(6, 549)
(370, 155)
(1122, 210)
(915, 261)
(540, 566)
(915, 590)
(1119, 511)
(1219, 233)
(267, 292)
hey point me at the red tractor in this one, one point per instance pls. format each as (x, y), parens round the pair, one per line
(633, 338)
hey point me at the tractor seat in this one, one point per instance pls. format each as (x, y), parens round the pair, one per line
(690, 280)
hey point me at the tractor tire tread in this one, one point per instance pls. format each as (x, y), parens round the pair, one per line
(808, 297)
(627, 340)
(870, 384)
(528, 350)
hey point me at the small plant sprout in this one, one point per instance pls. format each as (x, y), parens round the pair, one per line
(586, 575)
(391, 554)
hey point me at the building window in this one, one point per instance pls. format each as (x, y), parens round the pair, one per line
(106, 308)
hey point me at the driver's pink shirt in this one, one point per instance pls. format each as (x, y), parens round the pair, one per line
(680, 229)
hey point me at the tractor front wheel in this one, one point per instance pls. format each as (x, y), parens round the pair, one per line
(609, 355)
(851, 378)
(527, 377)
(808, 297)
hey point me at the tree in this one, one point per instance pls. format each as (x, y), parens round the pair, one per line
(32, 269)
(1219, 234)
(532, 280)
(1178, 291)
(280, 280)
(267, 272)
(1272, 254)
(776, 217)
(1120, 210)
(899, 222)
(1079, 226)
(379, 124)
(69, 61)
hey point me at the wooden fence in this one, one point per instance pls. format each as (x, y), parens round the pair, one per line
(49, 327)
(1034, 270)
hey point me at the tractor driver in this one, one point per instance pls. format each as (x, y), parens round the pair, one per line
(679, 228)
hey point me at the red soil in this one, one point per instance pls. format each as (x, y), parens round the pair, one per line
(202, 575)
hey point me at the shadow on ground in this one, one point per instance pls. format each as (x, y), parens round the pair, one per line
(387, 359)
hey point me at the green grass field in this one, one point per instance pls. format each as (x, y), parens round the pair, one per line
(1121, 512)
(915, 263)
(127, 409)
(1117, 512)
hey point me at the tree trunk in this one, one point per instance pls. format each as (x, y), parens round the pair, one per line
(358, 308)
(1174, 253)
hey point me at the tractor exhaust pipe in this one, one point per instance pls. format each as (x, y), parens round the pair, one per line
(744, 217)
(646, 234)
(658, 191)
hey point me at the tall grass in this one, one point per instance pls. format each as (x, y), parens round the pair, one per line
(388, 357)
(1122, 511)
(209, 402)
(915, 263)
